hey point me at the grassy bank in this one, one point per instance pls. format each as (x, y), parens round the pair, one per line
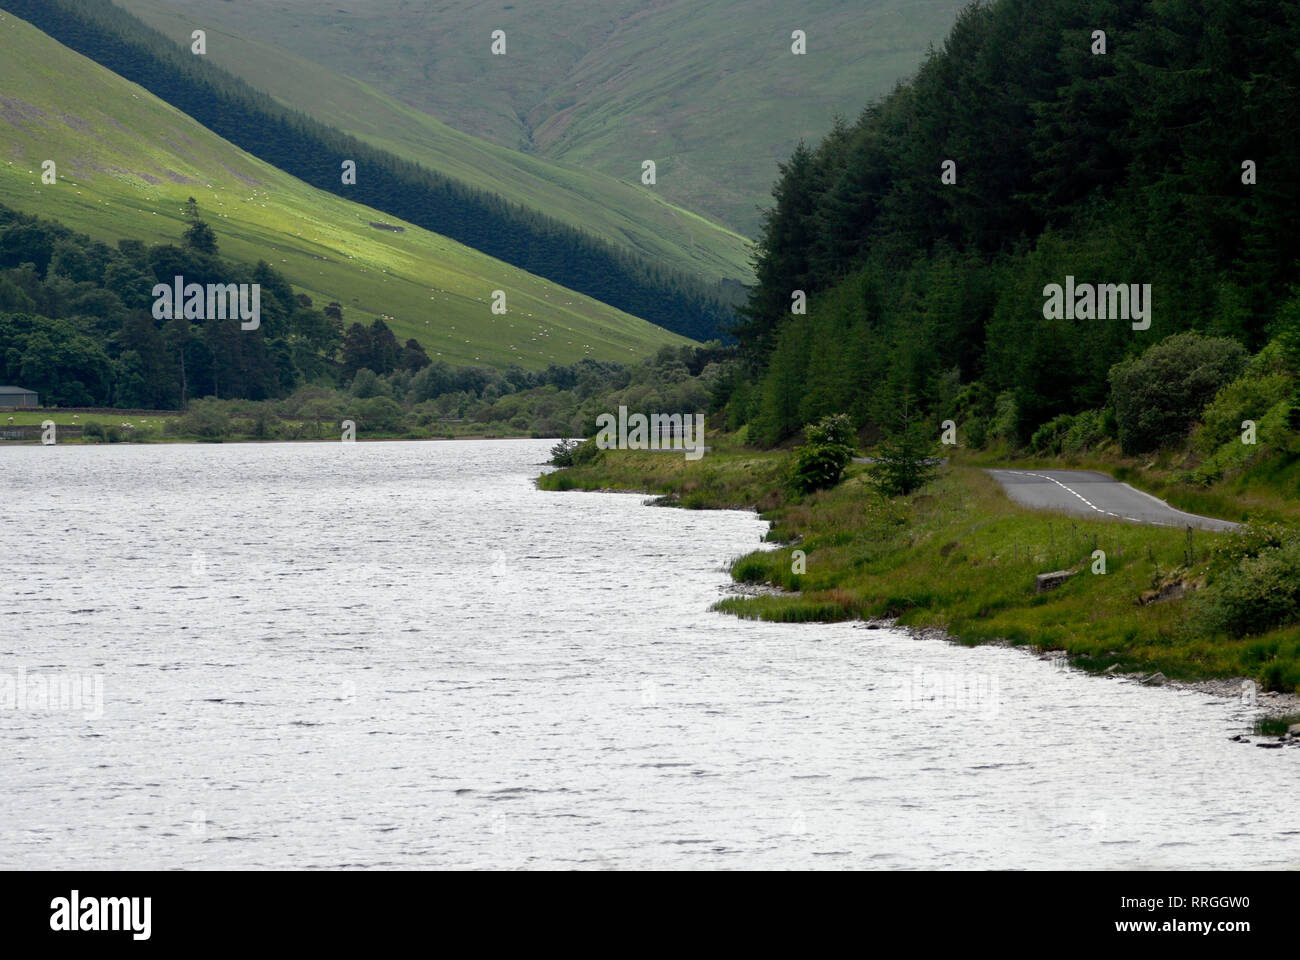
(961, 556)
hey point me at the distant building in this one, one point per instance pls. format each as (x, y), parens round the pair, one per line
(18, 397)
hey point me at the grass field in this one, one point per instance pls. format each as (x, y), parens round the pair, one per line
(960, 555)
(127, 162)
(709, 89)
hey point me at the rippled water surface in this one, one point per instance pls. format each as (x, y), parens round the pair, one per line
(405, 655)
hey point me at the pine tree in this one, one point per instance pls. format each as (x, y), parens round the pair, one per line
(905, 459)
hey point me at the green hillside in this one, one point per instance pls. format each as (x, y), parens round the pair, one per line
(707, 88)
(617, 212)
(127, 162)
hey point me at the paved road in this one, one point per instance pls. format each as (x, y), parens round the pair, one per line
(1088, 493)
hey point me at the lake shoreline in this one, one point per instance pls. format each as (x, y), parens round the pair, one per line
(918, 594)
(1272, 705)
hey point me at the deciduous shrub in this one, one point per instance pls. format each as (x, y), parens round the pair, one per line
(206, 418)
(1257, 595)
(377, 414)
(1048, 438)
(1006, 416)
(819, 464)
(1254, 584)
(1265, 384)
(1158, 395)
(835, 430)
(1071, 433)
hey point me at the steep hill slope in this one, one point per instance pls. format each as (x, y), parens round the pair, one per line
(617, 212)
(709, 89)
(127, 162)
(314, 152)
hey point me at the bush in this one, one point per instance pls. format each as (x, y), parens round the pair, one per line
(820, 463)
(1252, 540)
(1256, 595)
(207, 419)
(575, 453)
(1070, 434)
(377, 414)
(1248, 398)
(1158, 395)
(835, 430)
(1254, 584)
(1087, 431)
(818, 466)
(1006, 416)
(587, 453)
(264, 424)
(366, 385)
(1048, 438)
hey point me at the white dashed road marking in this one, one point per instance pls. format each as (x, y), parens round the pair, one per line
(1109, 513)
(1042, 476)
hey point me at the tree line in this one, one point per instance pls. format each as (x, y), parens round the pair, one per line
(1159, 151)
(77, 324)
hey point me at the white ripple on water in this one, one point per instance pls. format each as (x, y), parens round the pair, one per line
(404, 655)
